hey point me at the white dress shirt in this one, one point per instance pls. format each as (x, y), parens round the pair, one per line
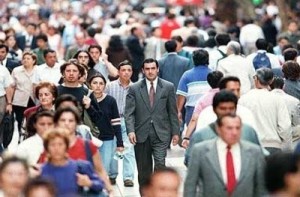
(236, 155)
(148, 83)
(5, 80)
(3, 62)
(49, 74)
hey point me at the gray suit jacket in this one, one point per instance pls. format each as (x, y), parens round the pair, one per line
(204, 172)
(140, 116)
(172, 67)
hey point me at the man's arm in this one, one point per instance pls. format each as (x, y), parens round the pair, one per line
(9, 92)
(113, 71)
(129, 115)
(192, 178)
(284, 123)
(180, 104)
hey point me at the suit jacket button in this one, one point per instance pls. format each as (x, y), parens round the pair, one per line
(151, 121)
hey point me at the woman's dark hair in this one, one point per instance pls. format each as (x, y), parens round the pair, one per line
(15, 47)
(51, 86)
(91, 62)
(291, 70)
(65, 97)
(72, 110)
(39, 182)
(96, 76)
(115, 43)
(32, 120)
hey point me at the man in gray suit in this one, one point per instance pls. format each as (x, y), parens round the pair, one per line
(172, 66)
(151, 119)
(226, 166)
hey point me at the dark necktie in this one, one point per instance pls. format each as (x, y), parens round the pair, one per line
(231, 181)
(151, 94)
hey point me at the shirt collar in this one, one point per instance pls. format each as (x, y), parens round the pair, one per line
(119, 82)
(154, 82)
(223, 145)
(4, 61)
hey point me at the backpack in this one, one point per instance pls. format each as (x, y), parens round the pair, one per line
(261, 60)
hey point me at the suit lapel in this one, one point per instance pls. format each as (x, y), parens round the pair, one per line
(245, 160)
(145, 95)
(212, 156)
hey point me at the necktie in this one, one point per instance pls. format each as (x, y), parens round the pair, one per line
(231, 181)
(151, 94)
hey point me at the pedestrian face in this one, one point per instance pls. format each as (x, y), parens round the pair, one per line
(150, 70)
(43, 124)
(67, 120)
(40, 191)
(13, 179)
(235, 87)
(230, 130)
(71, 73)
(164, 185)
(125, 72)
(225, 108)
(83, 58)
(57, 148)
(28, 61)
(95, 53)
(51, 59)
(98, 85)
(3, 54)
(45, 97)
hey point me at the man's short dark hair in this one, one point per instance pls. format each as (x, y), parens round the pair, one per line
(291, 70)
(290, 54)
(4, 46)
(222, 39)
(223, 82)
(224, 96)
(277, 167)
(125, 62)
(149, 60)
(91, 31)
(200, 57)
(261, 44)
(81, 68)
(95, 46)
(170, 46)
(277, 83)
(192, 40)
(160, 170)
(132, 30)
(65, 97)
(46, 51)
(42, 37)
(214, 78)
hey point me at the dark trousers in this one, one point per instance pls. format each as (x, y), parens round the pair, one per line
(19, 112)
(153, 146)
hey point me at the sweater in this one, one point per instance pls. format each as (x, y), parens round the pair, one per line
(111, 125)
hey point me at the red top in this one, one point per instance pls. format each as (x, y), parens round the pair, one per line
(76, 152)
(167, 26)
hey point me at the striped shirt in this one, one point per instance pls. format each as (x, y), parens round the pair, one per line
(116, 90)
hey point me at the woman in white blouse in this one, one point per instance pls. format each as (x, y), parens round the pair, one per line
(24, 77)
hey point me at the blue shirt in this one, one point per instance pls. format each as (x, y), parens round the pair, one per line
(193, 84)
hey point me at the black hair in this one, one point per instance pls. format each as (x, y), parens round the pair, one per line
(91, 62)
(150, 60)
(39, 182)
(46, 51)
(278, 83)
(261, 44)
(73, 110)
(291, 70)
(93, 46)
(123, 63)
(4, 46)
(223, 82)
(64, 98)
(42, 37)
(95, 76)
(170, 46)
(177, 38)
(80, 67)
(290, 54)
(200, 57)
(222, 39)
(224, 96)
(213, 78)
(277, 167)
(193, 41)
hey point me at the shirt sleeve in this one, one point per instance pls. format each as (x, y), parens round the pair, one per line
(8, 79)
(182, 86)
(93, 147)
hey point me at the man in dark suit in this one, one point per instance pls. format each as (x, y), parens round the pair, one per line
(27, 40)
(9, 63)
(226, 166)
(151, 119)
(172, 66)
(136, 48)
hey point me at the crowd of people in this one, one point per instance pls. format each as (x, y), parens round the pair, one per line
(93, 82)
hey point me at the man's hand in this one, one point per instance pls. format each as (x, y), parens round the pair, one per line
(132, 138)
(86, 101)
(120, 149)
(175, 140)
(185, 143)
(9, 108)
